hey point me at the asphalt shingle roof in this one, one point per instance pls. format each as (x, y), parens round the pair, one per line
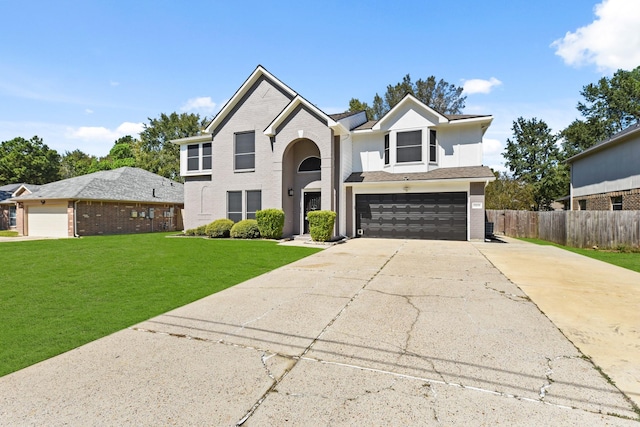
(440, 173)
(122, 184)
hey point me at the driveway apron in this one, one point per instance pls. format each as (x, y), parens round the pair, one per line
(370, 332)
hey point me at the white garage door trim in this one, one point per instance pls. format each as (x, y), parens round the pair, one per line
(48, 221)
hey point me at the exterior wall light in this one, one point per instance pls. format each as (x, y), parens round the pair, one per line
(290, 192)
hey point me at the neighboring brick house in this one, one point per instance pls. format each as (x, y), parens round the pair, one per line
(120, 201)
(607, 175)
(415, 173)
(8, 208)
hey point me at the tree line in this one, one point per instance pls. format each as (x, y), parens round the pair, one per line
(536, 157)
(32, 161)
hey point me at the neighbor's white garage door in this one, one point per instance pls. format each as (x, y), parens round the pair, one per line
(48, 221)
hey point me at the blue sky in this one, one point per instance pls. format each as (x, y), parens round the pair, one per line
(80, 74)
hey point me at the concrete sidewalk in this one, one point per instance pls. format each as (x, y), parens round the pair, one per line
(595, 304)
(370, 332)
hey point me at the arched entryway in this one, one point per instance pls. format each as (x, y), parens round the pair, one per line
(301, 189)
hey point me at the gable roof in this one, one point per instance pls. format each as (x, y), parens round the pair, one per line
(442, 118)
(619, 137)
(122, 184)
(300, 102)
(259, 73)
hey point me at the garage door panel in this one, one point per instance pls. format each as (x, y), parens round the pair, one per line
(48, 221)
(437, 216)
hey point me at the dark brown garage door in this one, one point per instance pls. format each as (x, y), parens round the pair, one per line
(432, 216)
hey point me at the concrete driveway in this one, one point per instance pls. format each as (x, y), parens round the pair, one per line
(371, 332)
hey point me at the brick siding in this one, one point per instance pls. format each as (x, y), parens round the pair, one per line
(95, 218)
(602, 202)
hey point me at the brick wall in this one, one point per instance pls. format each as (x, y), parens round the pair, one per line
(602, 202)
(95, 218)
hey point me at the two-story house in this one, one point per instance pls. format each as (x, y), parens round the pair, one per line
(415, 173)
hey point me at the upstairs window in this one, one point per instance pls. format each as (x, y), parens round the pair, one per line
(193, 157)
(433, 145)
(206, 156)
(616, 203)
(310, 164)
(199, 157)
(386, 149)
(409, 146)
(245, 151)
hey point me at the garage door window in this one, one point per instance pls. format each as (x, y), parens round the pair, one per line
(409, 146)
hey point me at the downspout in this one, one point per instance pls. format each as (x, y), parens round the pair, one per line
(75, 219)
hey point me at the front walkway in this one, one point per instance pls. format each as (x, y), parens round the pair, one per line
(595, 304)
(370, 332)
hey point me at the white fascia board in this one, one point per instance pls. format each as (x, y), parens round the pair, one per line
(474, 120)
(257, 73)
(206, 137)
(410, 99)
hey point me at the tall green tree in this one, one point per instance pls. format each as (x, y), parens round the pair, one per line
(440, 95)
(533, 157)
(506, 192)
(154, 151)
(75, 163)
(609, 106)
(121, 154)
(30, 161)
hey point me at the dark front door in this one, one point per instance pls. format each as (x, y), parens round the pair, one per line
(311, 203)
(432, 216)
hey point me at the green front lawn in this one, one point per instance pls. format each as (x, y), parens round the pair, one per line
(630, 260)
(56, 295)
(8, 233)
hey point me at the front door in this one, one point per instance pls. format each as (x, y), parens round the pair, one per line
(311, 203)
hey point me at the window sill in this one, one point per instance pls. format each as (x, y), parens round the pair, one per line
(420, 163)
(243, 170)
(198, 172)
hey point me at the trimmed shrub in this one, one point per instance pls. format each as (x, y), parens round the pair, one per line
(245, 229)
(270, 223)
(190, 232)
(321, 225)
(201, 231)
(219, 228)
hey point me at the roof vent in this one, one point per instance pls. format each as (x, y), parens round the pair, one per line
(153, 192)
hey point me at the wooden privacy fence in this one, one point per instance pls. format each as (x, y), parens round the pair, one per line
(580, 229)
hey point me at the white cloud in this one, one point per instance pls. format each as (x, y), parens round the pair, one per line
(480, 86)
(610, 42)
(102, 134)
(114, 84)
(88, 111)
(203, 104)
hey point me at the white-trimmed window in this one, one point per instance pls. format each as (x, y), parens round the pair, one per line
(236, 211)
(245, 151)
(616, 203)
(199, 157)
(409, 146)
(433, 146)
(12, 216)
(234, 205)
(254, 203)
(386, 150)
(310, 164)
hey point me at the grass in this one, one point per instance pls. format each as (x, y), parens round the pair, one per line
(8, 233)
(56, 295)
(626, 259)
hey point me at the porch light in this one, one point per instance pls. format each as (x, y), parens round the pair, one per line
(290, 192)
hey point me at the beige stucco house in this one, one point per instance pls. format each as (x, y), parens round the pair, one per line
(415, 173)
